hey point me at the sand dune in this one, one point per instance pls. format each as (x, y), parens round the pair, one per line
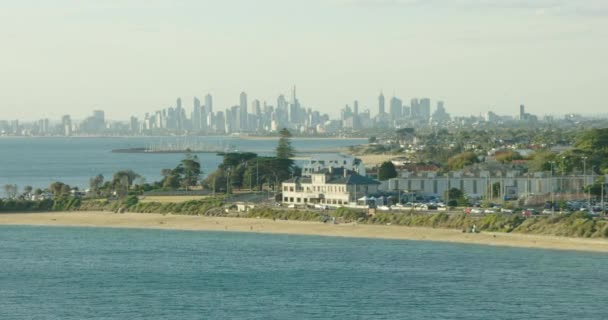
(181, 222)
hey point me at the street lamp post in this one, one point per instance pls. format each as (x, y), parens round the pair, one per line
(552, 195)
(591, 185)
(561, 180)
(585, 180)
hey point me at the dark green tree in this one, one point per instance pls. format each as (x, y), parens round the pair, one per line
(456, 197)
(462, 160)
(10, 190)
(190, 170)
(27, 190)
(95, 184)
(387, 171)
(284, 148)
(57, 188)
(122, 181)
(125, 177)
(284, 165)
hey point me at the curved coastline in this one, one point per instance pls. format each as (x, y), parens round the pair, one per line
(203, 223)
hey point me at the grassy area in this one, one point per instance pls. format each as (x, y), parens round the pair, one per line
(577, 224)
(171, 199)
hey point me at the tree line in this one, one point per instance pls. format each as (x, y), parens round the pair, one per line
(238, 170)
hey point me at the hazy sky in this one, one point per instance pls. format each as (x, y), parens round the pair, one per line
(128, 57)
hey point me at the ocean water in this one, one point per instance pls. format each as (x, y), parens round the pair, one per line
(39, 162)
(96, 273)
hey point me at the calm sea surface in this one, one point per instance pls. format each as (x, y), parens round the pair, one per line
(91, 273)
(40, 161)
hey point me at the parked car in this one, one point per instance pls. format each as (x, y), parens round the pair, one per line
(505, 210)
(477, 210)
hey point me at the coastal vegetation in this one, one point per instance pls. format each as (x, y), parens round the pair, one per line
(243, 170)
(386, 171)
(247, 170)
(578, 224)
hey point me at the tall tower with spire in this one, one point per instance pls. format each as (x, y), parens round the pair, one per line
(381, 103)
(294, 107)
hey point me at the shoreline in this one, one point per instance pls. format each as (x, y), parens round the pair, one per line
(351, 230)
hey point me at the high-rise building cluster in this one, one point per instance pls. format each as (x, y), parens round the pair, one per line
(258, 117)
(244, 117)
(399, 114)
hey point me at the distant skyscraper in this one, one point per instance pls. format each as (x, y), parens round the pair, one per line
(66, 124)
(396, 108)
(425, 109)
(381, 104)
(522, 112)
(294, 108)
(356, 108)
(414, 108)
(134, 125)
(220, 122)
(197, 114)
(440, 115)
(179, 114)
(255, 107)
(99, 115)
(208, 103)
(282, 103)
(243, 112)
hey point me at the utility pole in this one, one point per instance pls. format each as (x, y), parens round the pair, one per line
(447, 186)
(228, 181)
(602, 194)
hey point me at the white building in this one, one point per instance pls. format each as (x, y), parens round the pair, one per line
(320, 162)
(510, 185)
(330, 187)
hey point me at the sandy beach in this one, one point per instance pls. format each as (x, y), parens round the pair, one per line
(180, 222)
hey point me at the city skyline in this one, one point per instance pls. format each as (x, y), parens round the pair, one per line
(128, 57)
(251, 116)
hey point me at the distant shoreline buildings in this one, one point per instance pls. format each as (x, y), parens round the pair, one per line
(259, 118)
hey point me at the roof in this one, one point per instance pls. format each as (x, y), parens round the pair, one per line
(352, 179)
(299, 180)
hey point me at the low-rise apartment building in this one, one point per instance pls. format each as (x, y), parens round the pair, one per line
(510, 184)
